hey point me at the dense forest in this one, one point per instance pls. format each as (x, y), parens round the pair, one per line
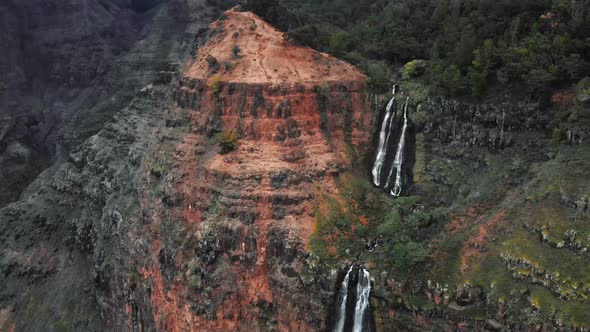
(461, 47)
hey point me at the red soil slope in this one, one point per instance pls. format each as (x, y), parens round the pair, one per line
(266, 55)
(302, 118)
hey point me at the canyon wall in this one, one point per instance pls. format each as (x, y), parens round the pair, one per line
(71, 131)
(69, 66)
(198, 177)
(147, 225)
(300, 119)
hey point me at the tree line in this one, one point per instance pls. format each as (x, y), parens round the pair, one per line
(460, 47)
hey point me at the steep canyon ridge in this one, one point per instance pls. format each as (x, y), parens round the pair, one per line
(184, 165)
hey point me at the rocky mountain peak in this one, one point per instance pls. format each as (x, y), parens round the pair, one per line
(296, 119)
(249, 50)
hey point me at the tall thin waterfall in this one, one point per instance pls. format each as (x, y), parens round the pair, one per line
(383, 140)
(343, 297)
(362, 308)
(399, 157)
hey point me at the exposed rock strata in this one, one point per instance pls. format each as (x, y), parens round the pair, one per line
(251, 211)
(70, 238)
(71, 65)
(494, 126)
(161, 231)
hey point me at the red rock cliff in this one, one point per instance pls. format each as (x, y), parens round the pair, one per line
(301, 117)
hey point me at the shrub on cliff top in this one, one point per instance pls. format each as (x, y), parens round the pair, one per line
(339, 43)
(379, 73)
(414, 68)
(215, 84)
(228, 141)
(213, 63)
(236, 51)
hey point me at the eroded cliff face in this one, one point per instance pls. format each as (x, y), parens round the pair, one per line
(62, 266)
(147, 226)
(516, 209)
(69, 66)
(244, 219)
(53, 50)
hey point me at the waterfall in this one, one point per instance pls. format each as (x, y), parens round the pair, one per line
(343, 297)
(362, 308)
(383, 140)
(399, 157)
(386, 128)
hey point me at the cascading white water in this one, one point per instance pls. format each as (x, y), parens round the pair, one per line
(399, 157)
(363, 291)
(383, 141)
(362, 305)
(343, 297)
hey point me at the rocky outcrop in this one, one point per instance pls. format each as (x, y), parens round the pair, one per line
(55, 51)
(70, 241)
(69, 66)
(162, 231)
(301, 118)
(493, 126)
(72, 236)
(562, 286)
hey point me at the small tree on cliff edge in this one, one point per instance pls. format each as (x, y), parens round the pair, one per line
(228, 141)
(236, 51)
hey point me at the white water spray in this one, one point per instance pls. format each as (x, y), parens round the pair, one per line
(399, 157)
(363, 290)
(383, 140)
(342, 298)
(362, 305)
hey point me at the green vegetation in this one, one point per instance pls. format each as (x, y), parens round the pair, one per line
(215, 85)
(379, 75)
(67, 310)
(213, 63)
(228, 65)
(157, 169)
(339, 43)
(537, 249)
(467, 46)
(413, 69)
(235, 51)
(361, 215)
(510, 220)
(228, 141)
